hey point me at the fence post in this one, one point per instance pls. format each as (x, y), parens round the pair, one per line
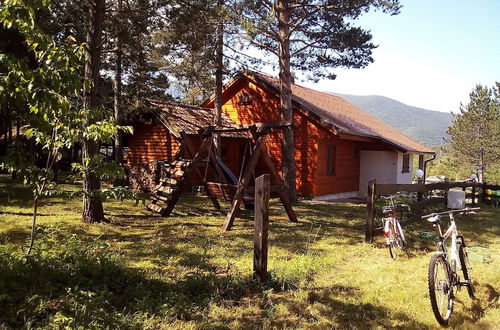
(370, 211)
(446, 188)
(421, 165)
(420, 195)
(262, 187)
(483, 193)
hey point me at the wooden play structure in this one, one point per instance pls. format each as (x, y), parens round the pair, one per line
(167, 193)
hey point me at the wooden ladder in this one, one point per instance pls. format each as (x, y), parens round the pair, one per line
(169, 189)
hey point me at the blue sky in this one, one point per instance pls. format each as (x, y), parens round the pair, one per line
(431, 55)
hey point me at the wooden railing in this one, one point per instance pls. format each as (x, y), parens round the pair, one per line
(425, 198)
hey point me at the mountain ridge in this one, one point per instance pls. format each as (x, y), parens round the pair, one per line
(425, 126)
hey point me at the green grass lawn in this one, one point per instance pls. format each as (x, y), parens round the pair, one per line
(144, 271)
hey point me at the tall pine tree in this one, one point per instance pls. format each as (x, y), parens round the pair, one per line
(312, 37)
(475, 132)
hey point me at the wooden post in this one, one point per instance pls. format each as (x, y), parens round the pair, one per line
(446, 196)
(370, 211)
(420, 180)
(262, 188)
(483, 193)
(420, 194)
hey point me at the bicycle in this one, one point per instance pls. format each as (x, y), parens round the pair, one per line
(393, 232)
(443, 278)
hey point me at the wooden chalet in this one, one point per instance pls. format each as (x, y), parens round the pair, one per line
(157, 139)
(339, 147)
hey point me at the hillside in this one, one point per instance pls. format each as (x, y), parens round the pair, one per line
(426, 126)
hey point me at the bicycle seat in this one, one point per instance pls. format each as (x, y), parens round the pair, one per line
(387, 210)
(434, 219)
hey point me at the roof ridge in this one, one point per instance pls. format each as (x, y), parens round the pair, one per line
(348, 116)
(297, 85)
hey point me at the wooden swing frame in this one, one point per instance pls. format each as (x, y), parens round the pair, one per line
(236, 193)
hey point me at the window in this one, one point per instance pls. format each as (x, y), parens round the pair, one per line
(245, 99)
(331, 160)
(406, 163)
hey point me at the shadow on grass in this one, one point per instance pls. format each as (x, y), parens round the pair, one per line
(15, 235)
(324, 308)
(75, 283)
(26, 214)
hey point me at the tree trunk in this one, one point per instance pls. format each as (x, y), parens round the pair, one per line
(33, 225)
(9, 124)
(219, 63)
(117, 89)
(92, 205)
(285, 77)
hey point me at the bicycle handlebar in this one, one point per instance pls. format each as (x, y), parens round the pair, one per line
(465, 210)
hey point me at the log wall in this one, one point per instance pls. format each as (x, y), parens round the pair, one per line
(153, 142)
(311, 142)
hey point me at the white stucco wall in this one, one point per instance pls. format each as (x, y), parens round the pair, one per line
(384, 166)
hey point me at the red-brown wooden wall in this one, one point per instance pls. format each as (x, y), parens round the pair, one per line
(154, 142)
(311, 142)
(150, 142)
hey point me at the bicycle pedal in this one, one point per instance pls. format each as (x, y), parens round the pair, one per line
(463, 283)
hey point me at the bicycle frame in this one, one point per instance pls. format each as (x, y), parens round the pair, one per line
(440, 289)
(452, 256)
(453, 232)
(393, 230)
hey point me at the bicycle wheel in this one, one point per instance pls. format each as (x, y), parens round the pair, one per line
(392, 249)
(440, 289)
(392, 240)
(465, 265)
(400, 236)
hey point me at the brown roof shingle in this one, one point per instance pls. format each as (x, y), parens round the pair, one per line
(343, 116)
(191, 119)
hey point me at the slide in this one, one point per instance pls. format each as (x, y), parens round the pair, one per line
(227, 172)
(234, 180)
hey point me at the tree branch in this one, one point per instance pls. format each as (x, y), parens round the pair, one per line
(264, 46)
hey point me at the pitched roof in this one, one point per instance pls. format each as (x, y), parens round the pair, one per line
(342, 116)
(191, 119)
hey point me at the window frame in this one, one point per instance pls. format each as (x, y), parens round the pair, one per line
(405, 166)
(331, 160)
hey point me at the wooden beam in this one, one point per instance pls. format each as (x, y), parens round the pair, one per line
(260, 151)
(370, 211)
(261, 225)
(259, 127)
(189, 146)
(276, 179)
(356, 138)
(247, 175)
